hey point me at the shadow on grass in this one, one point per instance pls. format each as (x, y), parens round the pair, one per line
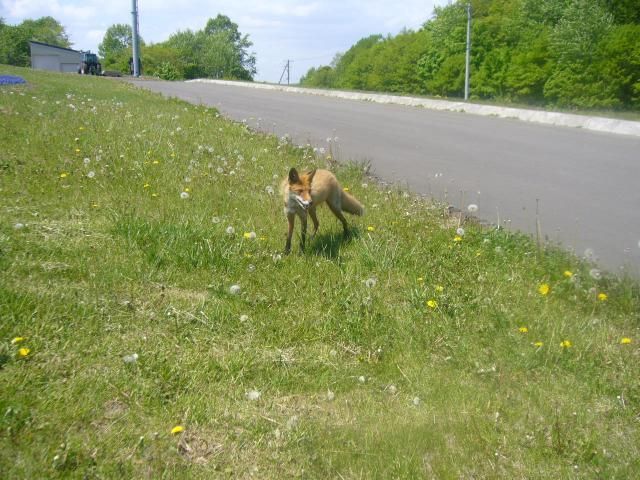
(328, 245)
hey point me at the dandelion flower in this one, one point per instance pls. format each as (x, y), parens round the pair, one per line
(523, 330)
(416, 401)
(362, 379)
(439, 288)
(91, 174)
(568, 274)
(215, 220)
(392, 389)
(133, 358)
(184, 195)
(370, 282)
(420, 280)
(625, 341)
(432, 304)
(602, 297)
(235, 289)
(24, 352)
(460, 232)
(249, 235)
(595, 274)
(17, 340)
(64, 175)
(457, 238)
(538, 344)
(177, 429)
(253, 395)
(566, 344)
(244, 318)
(269, 190)
(346, 189)
(230, 230)
(473, 208)
(146, 185)
(371, 229)
(543, 289)
(330, 395)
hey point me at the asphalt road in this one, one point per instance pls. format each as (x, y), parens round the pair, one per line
(586, 184)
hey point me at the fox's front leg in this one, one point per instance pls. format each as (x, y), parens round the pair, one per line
(303, 235)
(291, 218)
(314, 219)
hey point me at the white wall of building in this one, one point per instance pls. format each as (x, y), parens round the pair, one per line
(56, 59)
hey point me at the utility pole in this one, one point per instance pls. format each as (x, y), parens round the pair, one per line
(286, 69)
(468, 56)
(135, 38)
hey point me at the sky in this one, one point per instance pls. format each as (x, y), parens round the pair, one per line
(307, 32)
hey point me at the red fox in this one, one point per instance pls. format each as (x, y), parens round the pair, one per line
(304, 193)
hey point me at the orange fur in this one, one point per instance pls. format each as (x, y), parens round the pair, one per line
(303, 193)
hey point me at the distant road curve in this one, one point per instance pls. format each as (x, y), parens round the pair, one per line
(587, 182)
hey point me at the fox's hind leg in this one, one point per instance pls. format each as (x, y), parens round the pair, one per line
(337, 211)
(303, 233)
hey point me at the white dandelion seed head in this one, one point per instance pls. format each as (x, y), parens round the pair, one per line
(230, 230)
(333, 353)
(251, 268)
(251, 236)
(321, 150)
(365, 185)
(184, 195)
(472, 208)
(460, 231)
(187, 179)
(589, 254)
(392, 389)
(86, 160)
(18, 226)
(416, 401)
(595, 274)
(133, 358)
(269, 190)
(215, 219)
(91, 174)
(235, 289)
(370, 282)
(244, 318)
(253, 395)
(220, 170)
(330, 395)
(362, 379)
(276, 257)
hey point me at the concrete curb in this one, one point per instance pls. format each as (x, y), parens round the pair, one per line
(599, 124)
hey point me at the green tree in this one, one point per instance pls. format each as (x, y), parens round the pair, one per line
(116, 47)
(14, 40)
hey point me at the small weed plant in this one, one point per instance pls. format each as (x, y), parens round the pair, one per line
(150, 326)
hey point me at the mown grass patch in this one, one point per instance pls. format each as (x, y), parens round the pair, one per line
(134, 299)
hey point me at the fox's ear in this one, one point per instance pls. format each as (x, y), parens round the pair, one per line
(311, 174)
(293, 176)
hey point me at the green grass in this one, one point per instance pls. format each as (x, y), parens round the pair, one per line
(357, 379)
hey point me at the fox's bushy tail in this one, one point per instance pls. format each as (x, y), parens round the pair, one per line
(351, 205)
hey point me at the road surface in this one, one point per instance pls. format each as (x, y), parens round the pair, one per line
(586, 184)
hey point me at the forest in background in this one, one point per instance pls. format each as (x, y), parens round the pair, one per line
(566, 53)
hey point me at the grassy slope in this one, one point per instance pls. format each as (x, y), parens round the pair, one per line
(120, 263)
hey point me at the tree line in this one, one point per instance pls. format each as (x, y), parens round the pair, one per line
(219, 50)
(566, 53)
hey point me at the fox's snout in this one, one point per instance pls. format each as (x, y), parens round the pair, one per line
(305, 204)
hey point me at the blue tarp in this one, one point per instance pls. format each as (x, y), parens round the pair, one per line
(11, 80)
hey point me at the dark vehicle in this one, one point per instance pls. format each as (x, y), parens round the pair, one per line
(89, 64)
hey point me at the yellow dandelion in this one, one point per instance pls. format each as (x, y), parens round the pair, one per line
(346, 189)
(543, 289)
(146, 185)
(439, 288)
(538, 344)
(154, 195)
(478, 254)
(371, 229)
(420, 280)
(566, 344)
(177, 429)
(24, 352)
(602, 297)
(77, 150)
(523, 330)
(432, 304)
(187, 189)
(81, 128)
(64, 175)
(156, 162)
(94, 205)
(173, 155)
(625, 341)
(17, 340)
(457, 238)
(568, 274)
